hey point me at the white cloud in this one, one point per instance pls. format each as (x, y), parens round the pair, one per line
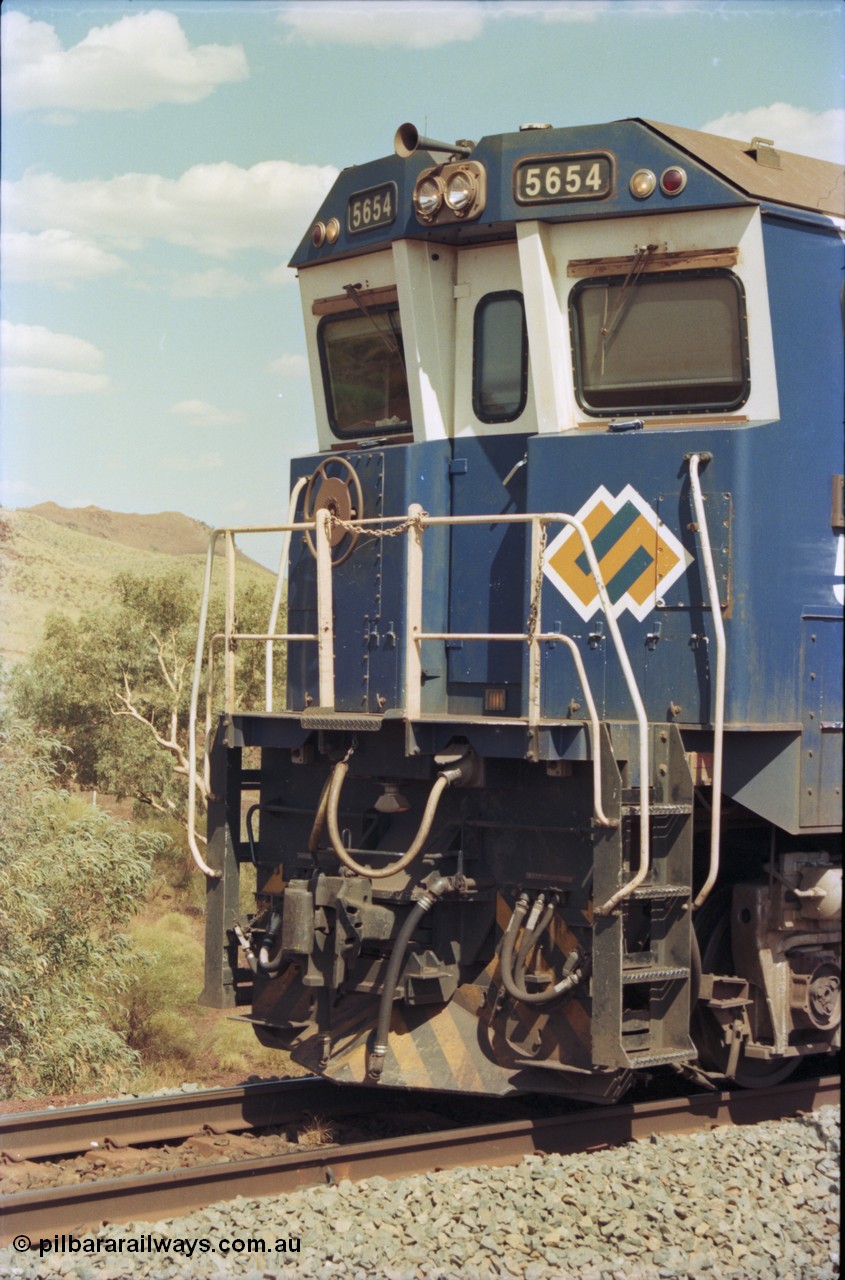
(214, 208)
(33, 344)
(556, 10)
(290, 366)
(56, 257)
(430, 24)
(810, 133)
(198, 413)
(39, 362)
(134, 63)
(193, 462)
(214, 283)
(411, 24)
(15, 493)
(279, 276)
(37, 380)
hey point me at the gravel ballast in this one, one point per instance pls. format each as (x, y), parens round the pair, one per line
(733, 1203)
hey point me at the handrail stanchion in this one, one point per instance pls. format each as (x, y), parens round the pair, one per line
(230, 622)
(325, 621)
(414, 605)
(534, 627)
(192, 715)
(721, 662)
(277, 596)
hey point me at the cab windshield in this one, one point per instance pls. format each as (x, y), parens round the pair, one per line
(663, 343)
(363, 364)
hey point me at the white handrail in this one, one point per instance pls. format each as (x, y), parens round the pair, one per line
(229, 635)
(415, 634)
(721, 665)
(277, 595)
(418, 521)
(192, 714)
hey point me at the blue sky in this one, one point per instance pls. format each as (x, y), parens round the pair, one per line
(161, 161)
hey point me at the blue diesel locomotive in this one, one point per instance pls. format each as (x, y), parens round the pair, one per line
(551, 794)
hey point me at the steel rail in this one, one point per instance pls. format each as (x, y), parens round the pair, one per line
(155, 1196)
(66, 1131)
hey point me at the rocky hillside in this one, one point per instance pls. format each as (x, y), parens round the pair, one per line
(59, 558)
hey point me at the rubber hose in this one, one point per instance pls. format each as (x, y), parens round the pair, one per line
(380, 873)
(394, 965)
(265, 964)
(567, 983)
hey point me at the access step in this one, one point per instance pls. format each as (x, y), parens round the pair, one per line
(658, 891)
(653, 973)
(656, 810)
(638, 1058)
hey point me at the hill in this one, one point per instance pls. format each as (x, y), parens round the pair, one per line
(168, 531)
(65, 559)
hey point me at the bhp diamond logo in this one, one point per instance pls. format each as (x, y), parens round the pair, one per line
(639, 558)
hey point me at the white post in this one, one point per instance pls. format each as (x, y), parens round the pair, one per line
(413, 645)
(325, 620)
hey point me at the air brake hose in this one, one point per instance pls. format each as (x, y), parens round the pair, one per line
(443, 780)
(532, 934)
(265, 964)
(575, 969)
(397, 956)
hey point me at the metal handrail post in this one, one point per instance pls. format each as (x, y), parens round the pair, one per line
(230, 622)
(192, 714)
(325, 619)
(277, 596)
(721, 664)
(413, 613)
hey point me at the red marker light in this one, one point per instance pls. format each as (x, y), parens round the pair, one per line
(672, 181)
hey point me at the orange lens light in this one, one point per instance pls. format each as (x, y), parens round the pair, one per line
(495, 700)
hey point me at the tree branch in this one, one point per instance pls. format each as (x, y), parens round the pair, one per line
(171, 744)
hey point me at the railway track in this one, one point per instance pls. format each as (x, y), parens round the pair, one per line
(173, 1192)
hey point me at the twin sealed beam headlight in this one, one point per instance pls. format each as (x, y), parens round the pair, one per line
(450, 193)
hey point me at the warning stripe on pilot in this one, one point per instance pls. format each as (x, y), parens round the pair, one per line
(638, 556)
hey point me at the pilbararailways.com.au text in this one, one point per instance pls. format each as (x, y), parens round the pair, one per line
(154, 1244)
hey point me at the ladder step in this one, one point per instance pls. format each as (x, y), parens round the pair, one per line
(648, 1057)
(662, 891)
(653, 973)
(327, 718)
(656, 810)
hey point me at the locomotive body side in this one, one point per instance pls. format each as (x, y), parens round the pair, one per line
(554, 795)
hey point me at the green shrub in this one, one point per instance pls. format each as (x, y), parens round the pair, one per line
(72, 878)
(160, 1011)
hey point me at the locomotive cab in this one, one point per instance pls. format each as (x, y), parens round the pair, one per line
(547, 799)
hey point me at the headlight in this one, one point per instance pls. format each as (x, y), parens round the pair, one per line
(461, 191)
(450, 193)
(428, 198)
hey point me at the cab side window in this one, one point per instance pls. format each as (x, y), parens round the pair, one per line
(500, 358)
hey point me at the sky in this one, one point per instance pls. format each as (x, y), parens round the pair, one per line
(161, 161)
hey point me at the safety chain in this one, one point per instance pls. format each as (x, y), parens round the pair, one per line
(351, 526)
(534, 610)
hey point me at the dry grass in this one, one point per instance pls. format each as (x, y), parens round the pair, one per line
(315, 1132)
(68, 565)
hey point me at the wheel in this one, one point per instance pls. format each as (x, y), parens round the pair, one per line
(342, 496)
(713, 931)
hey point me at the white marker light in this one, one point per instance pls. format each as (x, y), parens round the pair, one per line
(642, 184)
